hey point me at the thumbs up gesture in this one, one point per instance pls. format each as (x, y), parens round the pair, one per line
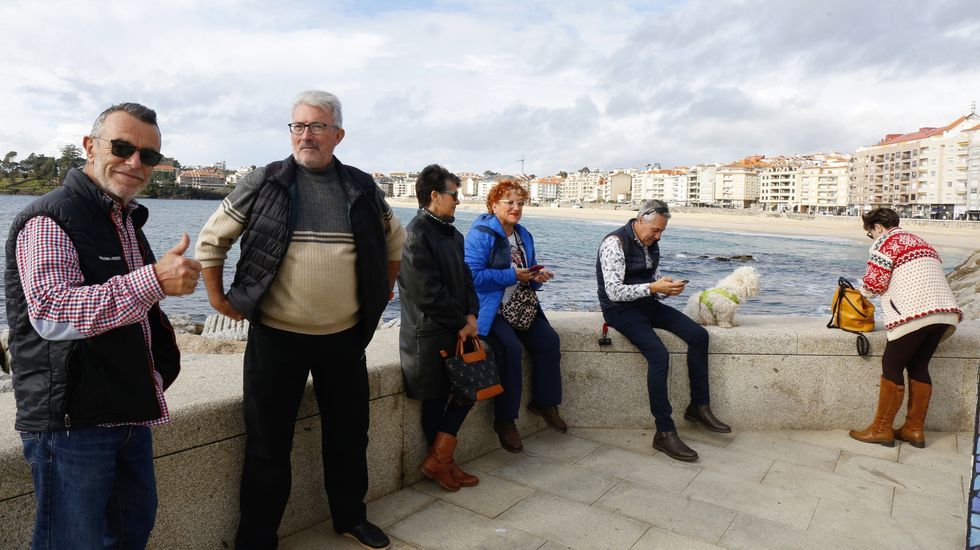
(177, 275)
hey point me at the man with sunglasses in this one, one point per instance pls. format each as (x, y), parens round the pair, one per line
(320, 253)
(92, 350)
(630, 293)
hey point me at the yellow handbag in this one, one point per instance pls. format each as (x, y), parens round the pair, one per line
(852, 312)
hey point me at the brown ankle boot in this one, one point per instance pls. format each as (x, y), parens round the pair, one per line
(915, 419)
(889, 401)
(464, 479)
(437, 466)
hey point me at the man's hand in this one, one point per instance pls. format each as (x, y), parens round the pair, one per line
(667, 286)
(544, 275)
(470, 328)
(216, 293)
(176, 274)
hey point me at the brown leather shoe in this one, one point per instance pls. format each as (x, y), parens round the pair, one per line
(550, 416)
(510, 438)
(702, 415)
(890, 397)
(437, 466)
(671, 445)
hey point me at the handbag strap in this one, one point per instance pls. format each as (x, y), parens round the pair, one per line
(461, 345)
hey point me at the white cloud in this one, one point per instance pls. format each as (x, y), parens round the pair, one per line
(476, 85)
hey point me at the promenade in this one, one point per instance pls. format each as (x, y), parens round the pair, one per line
(609, 489)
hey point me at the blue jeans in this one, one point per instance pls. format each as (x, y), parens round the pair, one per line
(636, 323)
(543, 344)
(94, 487)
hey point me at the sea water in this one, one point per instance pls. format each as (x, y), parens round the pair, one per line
(797, 274)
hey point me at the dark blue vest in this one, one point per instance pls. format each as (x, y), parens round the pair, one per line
(637, 271)
(98, 380)
(269, 230)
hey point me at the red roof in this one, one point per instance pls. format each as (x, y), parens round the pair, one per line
(922, 133)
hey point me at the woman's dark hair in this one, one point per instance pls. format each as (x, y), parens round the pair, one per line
(887, 217)
(432, 178)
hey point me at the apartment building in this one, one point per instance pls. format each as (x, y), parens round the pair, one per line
(620, 187)
(202, 178)
(701, 184)
(919, 174)
(737, 184)
(824, 187)
(973, 178)
(545, 189)
(582, 187)
(778, 184)
(668, 185)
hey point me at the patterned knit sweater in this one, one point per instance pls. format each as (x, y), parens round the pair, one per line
(908, 274)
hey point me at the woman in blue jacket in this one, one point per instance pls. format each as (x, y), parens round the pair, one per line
(500, 253)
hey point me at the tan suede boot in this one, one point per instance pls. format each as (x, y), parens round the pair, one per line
(912, 431)
(437, 466)
(464, 479)
(880, 431)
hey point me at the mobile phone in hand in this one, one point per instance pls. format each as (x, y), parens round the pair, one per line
(538, 267)
(685, 281)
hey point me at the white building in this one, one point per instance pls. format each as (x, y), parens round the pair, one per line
(582, 187)
(922, 173)
(202, 178)
(737, 184)
(824, 188)
(545, 189)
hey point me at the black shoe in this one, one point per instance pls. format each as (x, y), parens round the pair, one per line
(672, 446)
(510, 438)
(368, 535)
(550, 416)
(702, 415)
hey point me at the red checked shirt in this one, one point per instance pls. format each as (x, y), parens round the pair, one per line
(62, 307)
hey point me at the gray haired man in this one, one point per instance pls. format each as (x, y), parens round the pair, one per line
(320, 253)
(630, 293)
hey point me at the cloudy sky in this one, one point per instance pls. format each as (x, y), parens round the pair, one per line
(478, 85)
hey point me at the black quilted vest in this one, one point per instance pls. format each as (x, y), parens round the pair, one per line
(637, 271)
(98, 380)
(269, 229)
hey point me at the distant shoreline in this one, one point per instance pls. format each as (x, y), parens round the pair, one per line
(958, 239)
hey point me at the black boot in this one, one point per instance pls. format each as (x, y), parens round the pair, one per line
(702, 415)
(671, 445)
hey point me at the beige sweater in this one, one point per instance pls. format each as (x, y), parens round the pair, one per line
(315, 289)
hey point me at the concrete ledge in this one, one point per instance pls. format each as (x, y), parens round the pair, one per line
(770, 373)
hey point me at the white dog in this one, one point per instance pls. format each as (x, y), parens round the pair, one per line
(717, 305)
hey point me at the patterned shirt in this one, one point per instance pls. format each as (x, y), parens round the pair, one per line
(61, 306)
(613, 262)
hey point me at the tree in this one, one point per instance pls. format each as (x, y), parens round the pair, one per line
(71, 157)
(490, 173)
(563, 174)
(584, 170)
(8, 166)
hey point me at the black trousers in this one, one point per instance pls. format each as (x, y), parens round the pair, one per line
(913, 352)
(277, 366)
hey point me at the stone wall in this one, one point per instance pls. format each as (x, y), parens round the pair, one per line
(770, 373)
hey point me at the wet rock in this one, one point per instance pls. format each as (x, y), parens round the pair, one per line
(183, 324)
(736, 258)
(965, 282)
(396, 322)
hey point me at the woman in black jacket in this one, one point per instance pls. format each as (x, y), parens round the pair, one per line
(438, 306)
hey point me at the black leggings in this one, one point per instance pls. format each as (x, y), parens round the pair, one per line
(439, 416)
(912, 351)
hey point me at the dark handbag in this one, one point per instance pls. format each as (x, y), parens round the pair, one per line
(473, 376)
(522, 307)
(851, 312)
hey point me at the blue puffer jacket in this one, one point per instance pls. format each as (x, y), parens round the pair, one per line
(488, 255)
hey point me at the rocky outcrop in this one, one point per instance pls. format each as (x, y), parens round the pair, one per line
(965, 282)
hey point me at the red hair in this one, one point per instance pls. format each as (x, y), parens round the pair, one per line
(502, 189)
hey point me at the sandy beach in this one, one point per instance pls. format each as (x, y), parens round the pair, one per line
(951, 240)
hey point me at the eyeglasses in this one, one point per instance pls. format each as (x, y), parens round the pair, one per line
(124, 149)
(870, 236)
(454, 194)
(511, 204)
(316, 128)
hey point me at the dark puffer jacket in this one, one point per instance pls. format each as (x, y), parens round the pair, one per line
(99, 380)
(435, 288)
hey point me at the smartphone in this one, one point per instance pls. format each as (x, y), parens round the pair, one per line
(685, 281)
(538, 267)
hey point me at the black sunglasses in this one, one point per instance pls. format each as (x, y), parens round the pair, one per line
(124, 149)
